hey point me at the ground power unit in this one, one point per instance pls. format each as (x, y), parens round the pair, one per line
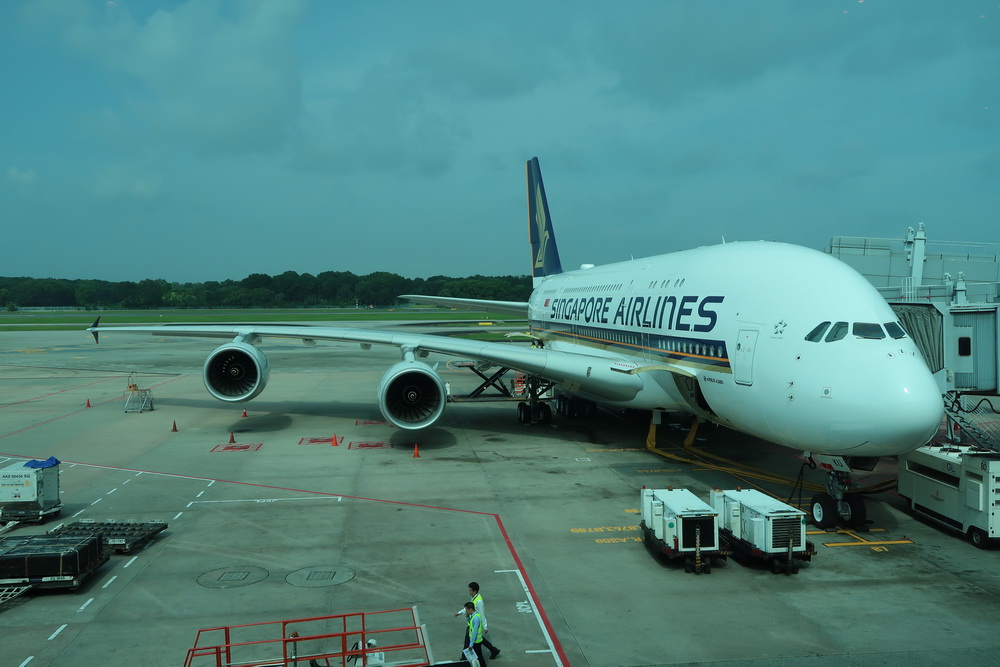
(955, 485)
(677, 524)
(759, 527)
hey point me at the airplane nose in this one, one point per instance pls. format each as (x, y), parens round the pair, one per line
(907, 412)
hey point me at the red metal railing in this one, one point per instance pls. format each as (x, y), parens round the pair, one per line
(340, 640)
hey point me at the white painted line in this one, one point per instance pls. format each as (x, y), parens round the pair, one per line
(138, 473)
(189, 504)
(54, 634)
(56, 528)
(265, 500)
(111, 491)
(131, 560)
(96, 501)
(538, 617)
(27, 660)
(199, 494)
(110, 581)
(85, 605)
(177, 516)
(79, 513)
(126, 481)
(211, 483)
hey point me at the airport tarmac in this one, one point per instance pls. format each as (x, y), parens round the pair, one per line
(544, 517)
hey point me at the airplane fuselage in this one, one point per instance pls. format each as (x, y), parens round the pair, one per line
(721, 332)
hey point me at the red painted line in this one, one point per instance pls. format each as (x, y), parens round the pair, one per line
(496, 517)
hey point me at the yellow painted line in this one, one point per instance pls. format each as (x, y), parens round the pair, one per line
(860, 541)
(866, 544)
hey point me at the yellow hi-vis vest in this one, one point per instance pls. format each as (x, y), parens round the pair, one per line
(479, 635)
(481, 608)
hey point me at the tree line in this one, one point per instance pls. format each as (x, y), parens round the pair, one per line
(258, 290)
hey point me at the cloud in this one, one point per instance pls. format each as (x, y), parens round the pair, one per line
(19, 176)
(207, 77)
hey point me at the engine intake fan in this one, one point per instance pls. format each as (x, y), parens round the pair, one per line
(411, 395)
(236, 372)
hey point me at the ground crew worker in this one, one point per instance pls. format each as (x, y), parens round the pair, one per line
(474, 640)
(477, 601)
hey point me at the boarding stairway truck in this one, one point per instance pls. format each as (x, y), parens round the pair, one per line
(679, 525)
(759, 527)
(957, 486)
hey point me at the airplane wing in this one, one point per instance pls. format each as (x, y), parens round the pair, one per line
(411, 394)
(517, 308)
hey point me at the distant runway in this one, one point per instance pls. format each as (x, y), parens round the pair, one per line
(316, 507)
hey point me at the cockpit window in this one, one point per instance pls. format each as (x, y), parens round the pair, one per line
(837, 331)
(816, 335)
(895, 330)
(868, 330)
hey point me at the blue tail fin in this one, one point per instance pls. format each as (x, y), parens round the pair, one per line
(544, 255)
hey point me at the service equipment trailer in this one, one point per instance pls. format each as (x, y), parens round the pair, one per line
(678, 524)
(957, 486)
(759, 527)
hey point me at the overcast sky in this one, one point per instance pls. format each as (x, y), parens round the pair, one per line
(208, 139)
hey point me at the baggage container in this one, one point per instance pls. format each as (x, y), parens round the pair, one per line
(30, 491)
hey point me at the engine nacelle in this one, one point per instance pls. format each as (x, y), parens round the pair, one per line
(236, 372)
(411, 395)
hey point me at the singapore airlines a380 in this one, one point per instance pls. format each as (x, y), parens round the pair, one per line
(778, 341)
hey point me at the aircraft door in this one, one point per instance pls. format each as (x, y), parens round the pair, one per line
(746, 344)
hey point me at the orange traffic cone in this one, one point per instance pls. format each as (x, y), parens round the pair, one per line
(335, 441)
(88, 404)
(232, 438)
(174, 429)
(416, 451)
(244, 412)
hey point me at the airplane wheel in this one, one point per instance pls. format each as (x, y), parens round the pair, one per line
(544, 413)
(523, 413)
(824, 510)
(859, 512)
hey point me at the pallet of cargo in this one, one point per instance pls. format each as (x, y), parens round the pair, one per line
(121, 536)
(49, 561)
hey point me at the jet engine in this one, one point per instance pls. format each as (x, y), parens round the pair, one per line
(236, 372)
(411, 395)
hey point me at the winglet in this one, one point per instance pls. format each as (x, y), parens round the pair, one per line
(544, 255)
(93, 329)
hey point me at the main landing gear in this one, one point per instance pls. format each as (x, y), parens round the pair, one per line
(837, 505)
(535, 410)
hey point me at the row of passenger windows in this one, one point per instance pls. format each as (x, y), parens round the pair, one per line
(829, 333)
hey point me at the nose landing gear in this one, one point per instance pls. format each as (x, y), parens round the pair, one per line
(838, 505)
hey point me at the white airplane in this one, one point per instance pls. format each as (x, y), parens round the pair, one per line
(777, 341)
